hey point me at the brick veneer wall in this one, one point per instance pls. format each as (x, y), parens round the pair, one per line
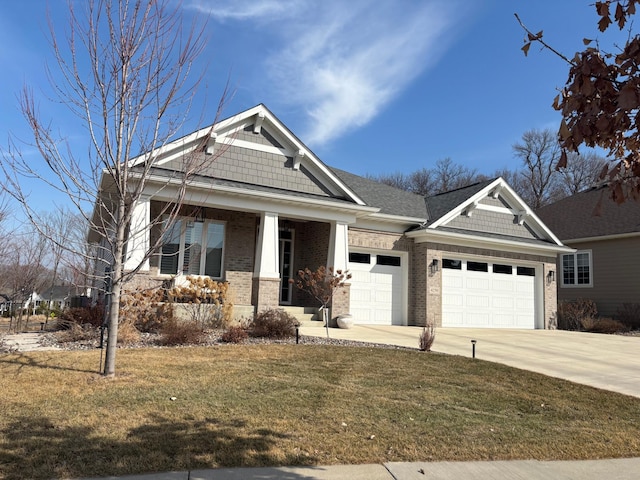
(239, 248)
(266, 293)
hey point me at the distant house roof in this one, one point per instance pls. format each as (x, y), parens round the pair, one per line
(59, 292)
(589, 214)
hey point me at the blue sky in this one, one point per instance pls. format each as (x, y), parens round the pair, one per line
(370, 86)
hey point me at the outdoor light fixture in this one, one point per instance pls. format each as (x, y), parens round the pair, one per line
(551, 276)
(435, 265)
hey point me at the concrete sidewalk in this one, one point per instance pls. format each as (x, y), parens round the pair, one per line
(611, 469)
(609, 362)
(26, 342)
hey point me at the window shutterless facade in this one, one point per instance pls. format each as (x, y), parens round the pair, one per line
(577, 269)
(193, 247)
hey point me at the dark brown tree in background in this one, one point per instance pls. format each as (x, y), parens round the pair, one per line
(600, 102)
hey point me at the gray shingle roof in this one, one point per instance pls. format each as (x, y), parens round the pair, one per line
(390, 200)
(442, 203)
(579, 216)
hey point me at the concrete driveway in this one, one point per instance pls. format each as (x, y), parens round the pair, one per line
(609, 362)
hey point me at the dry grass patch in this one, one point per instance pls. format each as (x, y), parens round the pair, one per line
(248, 405)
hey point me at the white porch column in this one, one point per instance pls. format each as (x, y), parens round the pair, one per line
(338, 247)
(138, 241)
(268, 247)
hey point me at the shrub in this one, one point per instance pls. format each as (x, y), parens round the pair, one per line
(93, 316)
(572, 314)
(174, 332)
(128, 334)
(427, 337)
(145, 309)
(75, 332)
(205, 301)
(629, 314)
(273, 323)
(606, 325)
(235, 334)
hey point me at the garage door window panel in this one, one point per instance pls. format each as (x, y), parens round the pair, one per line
(451, 264)
(388, 260)
(477, 267)
(355, 257)
(503, 269)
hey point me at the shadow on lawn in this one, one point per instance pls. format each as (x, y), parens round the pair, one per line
(34, 447)
(26, 360)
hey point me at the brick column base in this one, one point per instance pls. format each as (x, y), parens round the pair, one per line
(266, 293)
(340, 303)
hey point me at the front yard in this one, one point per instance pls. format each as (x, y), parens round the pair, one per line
(254, 405)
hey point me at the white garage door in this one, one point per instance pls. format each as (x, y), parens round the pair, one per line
(376, 288)
(487, 294)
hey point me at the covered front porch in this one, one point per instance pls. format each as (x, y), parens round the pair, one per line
(257, 252)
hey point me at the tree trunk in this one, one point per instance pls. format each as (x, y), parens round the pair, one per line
(116, 289)
(112, 338)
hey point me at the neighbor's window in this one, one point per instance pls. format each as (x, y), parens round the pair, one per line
(576, 269)
(193, 247)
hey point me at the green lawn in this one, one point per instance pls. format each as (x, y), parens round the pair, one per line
(262, 405)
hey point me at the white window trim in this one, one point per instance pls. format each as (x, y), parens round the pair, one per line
(575, 267)
(181, 249)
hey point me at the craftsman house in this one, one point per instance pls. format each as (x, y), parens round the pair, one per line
(266, 207)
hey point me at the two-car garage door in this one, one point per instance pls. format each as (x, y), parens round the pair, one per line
(487, 294)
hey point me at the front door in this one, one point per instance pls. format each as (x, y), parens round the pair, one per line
(286, 265)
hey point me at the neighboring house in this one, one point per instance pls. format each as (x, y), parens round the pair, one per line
(267, 207)
(57, 297)
(606, 264)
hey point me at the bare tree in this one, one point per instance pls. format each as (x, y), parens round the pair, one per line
(397, 180)
(123, 67)
(450, 176)
(23, 272)
(581, 172)
(422, 182)
(539, 151)
(445, 176)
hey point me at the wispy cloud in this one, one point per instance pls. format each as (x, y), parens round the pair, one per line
(343, 62)
(263, 10)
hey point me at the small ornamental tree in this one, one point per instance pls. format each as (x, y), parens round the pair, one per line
(321, 284)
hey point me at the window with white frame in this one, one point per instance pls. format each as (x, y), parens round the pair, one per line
(193, 247)
(577, 269)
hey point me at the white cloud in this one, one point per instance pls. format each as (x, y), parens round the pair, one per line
(247, 10)
(343, 62)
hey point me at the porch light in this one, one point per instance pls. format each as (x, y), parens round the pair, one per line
(435, 265)
(551, 276)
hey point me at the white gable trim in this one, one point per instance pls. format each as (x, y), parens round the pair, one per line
(260, 117)
(517, 207)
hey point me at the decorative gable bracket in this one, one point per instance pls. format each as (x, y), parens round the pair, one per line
(522, 216)
(257, 127)
(297, 159)
(209, 147)
(496, 192)
(469, 210)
